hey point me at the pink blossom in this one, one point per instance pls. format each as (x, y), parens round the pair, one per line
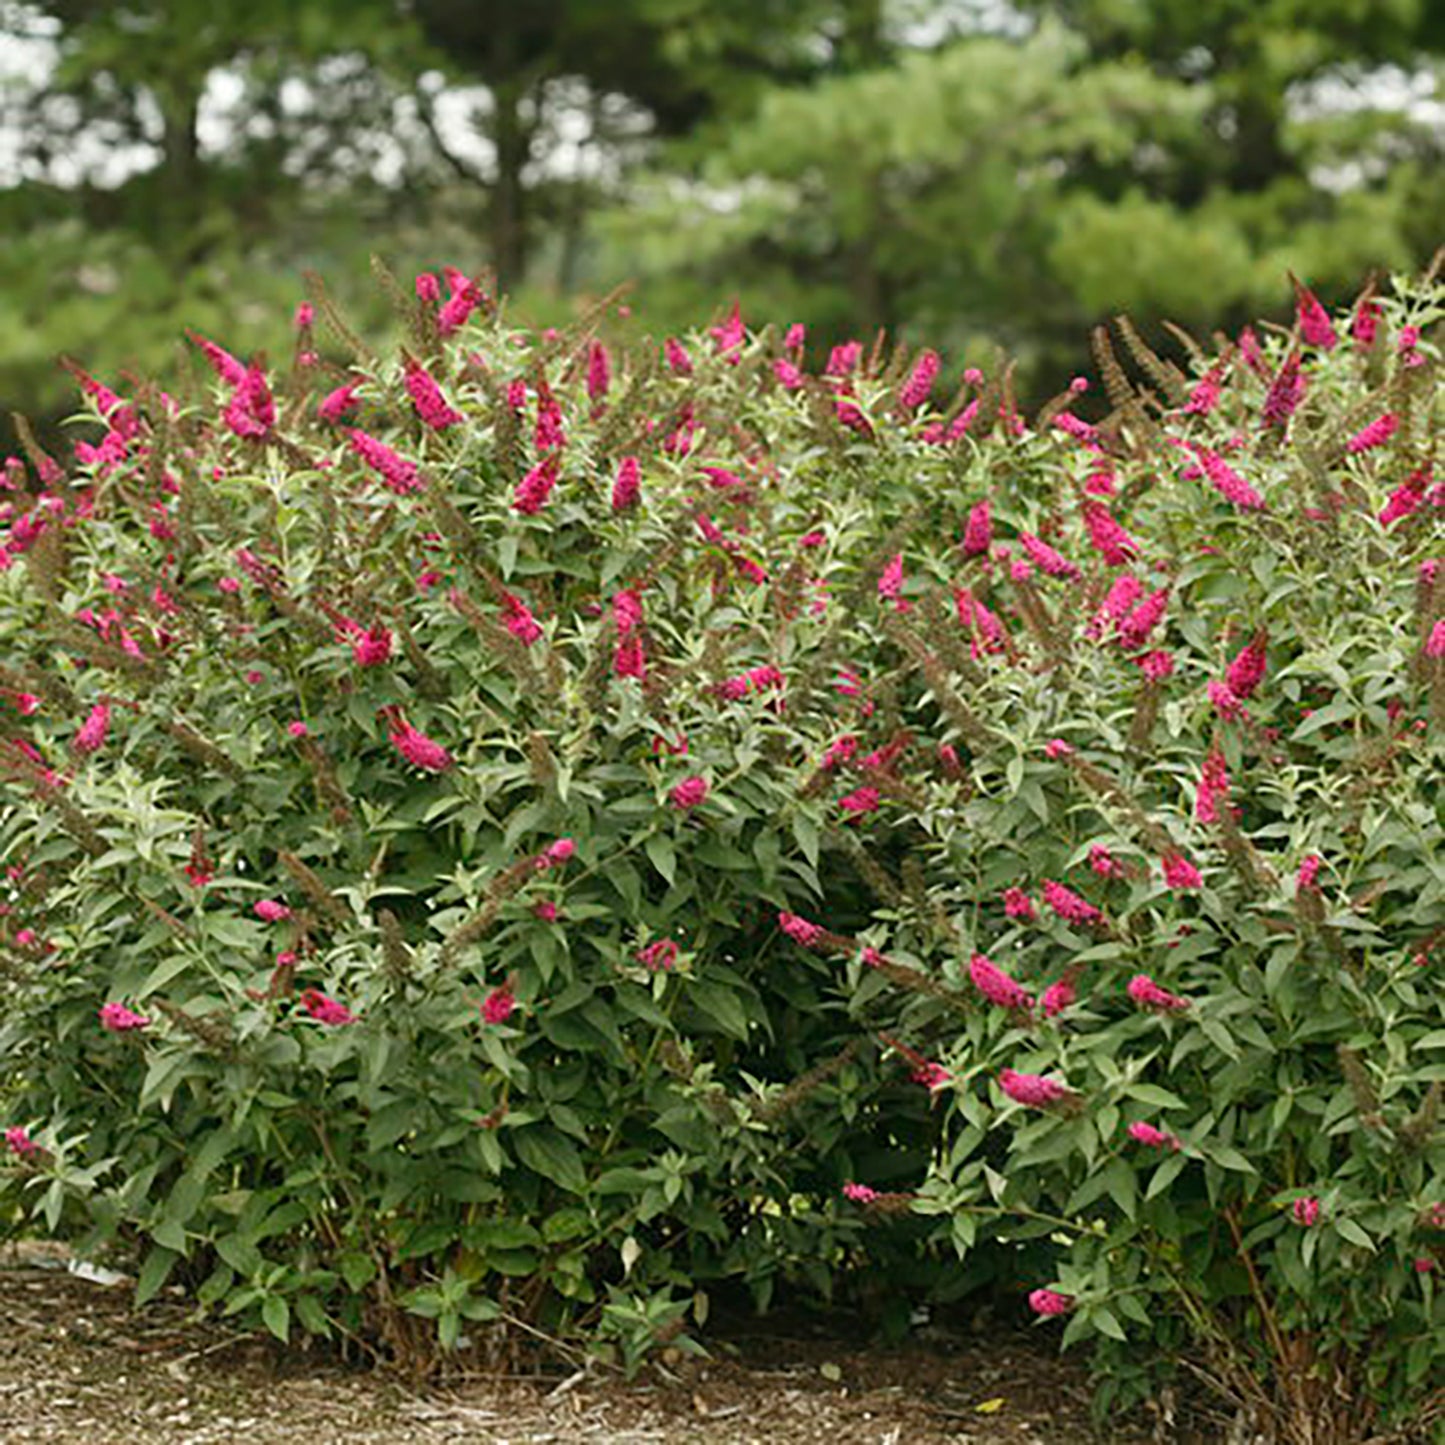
(919, 385)
(304, 315)
(800, 930)
(1047, 1302)
(251, 412)
(1074, 426)
(628, 487)
(231, 371)
(1213, 787)
(1069, 906)
(1033, 1090)
(229, 584)
(599, 371)
(428, 288)
(1018, 904)
(1156, 665)
(373, 648)
(996, 986)
(1205, 394)
(872, 958)
(1306, 1211)
(677, 357)
(554, 855)
(1376, 434)
(1313, 319)
(730, 334)
(790, 377)
(498, 1005)
(630, 658)
(978, 531)
(268, 910)
(1103, 862)
(18, 1141)
(546, 910)
(1435, 643)
(326, 1010)
(92, 733)
(795, 337)
(419, 750)
(1307, 879)
(689, 793)
(851, 415)
(660, 956)
(1226, 704)
(1134, 629)
(1285, 393)
(533, 490)
(1180, 873)
(1227, 481)
(466, 296)
(118, 1019)
(426, 397)
(1057, 748)
(1153, 1138)
(860, 1193)
(1424, 1264)
(519, 620)
(298, 729)
(843, 359)
(1058, 996)
(931, 1076)
(860, 801)
(1112, 542)
(987, 630)
(1047, 559)
(890, 584)
(1365, 321)
(1246, 672)
(1147, 994)
(1402, 502)
(398, 475)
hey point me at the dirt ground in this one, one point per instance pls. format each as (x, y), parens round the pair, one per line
(77, 1363)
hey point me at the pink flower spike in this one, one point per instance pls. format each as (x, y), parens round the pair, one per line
(628, 487)
(498, 1005)
(373, 648)
(1147, 994)
(978, 531)
(268, 910)
(689, 793)
(397, 474)
(427, 399)
(1307, 879)
(932, 1076)
(996, 986)
(659, 957)
(800, 930)
(326, 1010)
(231, 371)
(1033, 1090)
(91, 736)
(1049, 1303)
(1153, 1138)
(337, 403)
(1069, 906)
(1047, 559)
(1057, 748)
(677, 358)
(1111, 541)
(1314, 321)
(919, 385)
(1306, 1211)
(1376, 434)
(1246, 672)
(1180, 873)
(1018, 904)
(1058, 996)
(419, 750)
(533, 490)
(859, 802)
(18, 1141)
(546, 910)
(1435, 643)
(859, 1193)
(118, 1019)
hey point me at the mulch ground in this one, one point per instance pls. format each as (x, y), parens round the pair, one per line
(78, 1363)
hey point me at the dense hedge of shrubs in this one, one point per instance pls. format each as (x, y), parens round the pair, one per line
(504, 837)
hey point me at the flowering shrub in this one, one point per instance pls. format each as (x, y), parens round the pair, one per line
(1167, 931)
(515, 831)
(399, 794)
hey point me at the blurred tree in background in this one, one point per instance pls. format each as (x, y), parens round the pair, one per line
(969, 173)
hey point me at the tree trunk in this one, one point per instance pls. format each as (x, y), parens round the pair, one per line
(512, 137)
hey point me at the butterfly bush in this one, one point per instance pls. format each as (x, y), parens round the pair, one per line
(547, 687)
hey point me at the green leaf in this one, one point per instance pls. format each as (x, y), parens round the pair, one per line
(276, 1315)
(551, 1154)
(662, 855)
(154, 1272)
